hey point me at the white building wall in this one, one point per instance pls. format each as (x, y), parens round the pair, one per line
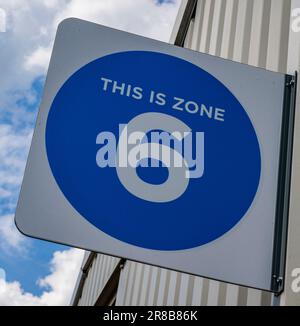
(255, 32)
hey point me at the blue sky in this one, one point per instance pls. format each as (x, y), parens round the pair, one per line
(34, 272)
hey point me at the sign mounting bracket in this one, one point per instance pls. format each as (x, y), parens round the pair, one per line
(284, 180)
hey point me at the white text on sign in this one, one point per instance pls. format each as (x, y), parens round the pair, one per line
(162, 99)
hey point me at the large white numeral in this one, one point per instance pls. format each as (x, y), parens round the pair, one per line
(178, 179)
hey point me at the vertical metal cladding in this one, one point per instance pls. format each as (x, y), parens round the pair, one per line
(98, 274)
(254, 32)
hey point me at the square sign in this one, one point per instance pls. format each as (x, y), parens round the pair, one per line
(158, 154)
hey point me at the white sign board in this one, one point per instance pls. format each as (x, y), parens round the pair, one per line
(158, 154)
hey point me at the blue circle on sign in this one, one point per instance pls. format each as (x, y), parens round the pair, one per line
(211, 205)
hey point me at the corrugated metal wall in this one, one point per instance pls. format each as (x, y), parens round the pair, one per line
(98, 274)
(255, 32)
(146, 285)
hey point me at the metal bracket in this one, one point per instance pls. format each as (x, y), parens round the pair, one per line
(284, 180)
(278, 280)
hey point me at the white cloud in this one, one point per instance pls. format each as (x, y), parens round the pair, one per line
(22, 38)
(4, 193)
(144, 17)
(2, 21)
(2, 274)
(31, 26)
(51, 3)
(58, 286)
(14, 145)
(38, 60)
(10, 237)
